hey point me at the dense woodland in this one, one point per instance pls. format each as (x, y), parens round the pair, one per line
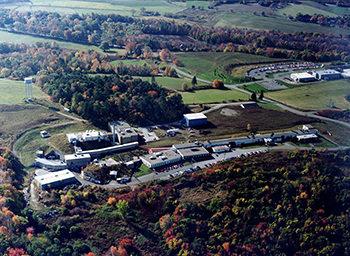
(282, 203)
(107, 98)
(134, 33)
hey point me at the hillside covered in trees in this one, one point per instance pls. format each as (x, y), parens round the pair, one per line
(282, 203)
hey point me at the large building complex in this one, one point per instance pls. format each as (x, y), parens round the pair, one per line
(89, 135)
(195, 119)
(54, 179)
(124, 132)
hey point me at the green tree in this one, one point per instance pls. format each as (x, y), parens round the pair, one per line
(253, 97)
(261, 96)
(123, 208)
(194, 81)
(104, 46)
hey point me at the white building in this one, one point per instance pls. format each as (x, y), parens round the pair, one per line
(328, 74)
(76, 160)
(88, 135)
(54, 179)
(195, 119)
(302, 77)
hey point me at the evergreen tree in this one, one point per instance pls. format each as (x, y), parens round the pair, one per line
(194, 81)
(261, 96)
(253, 97)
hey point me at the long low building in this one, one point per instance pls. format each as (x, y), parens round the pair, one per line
(54, 179)
(160, 159)
(49, 164)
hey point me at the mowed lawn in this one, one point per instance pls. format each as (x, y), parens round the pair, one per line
(315, 96)
(12, 92)
(212, 95)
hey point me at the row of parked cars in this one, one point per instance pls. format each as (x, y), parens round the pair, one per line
(192, 169)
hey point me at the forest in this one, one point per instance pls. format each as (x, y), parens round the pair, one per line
(279, 203)
(106, 98)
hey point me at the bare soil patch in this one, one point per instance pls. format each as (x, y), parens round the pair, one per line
(229, 112)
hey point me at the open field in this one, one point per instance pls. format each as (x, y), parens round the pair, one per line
(340, 134)
(172, 83)
(315, 96)
(277, 22)
(7, 37)
(212, 95)
(294, 9)
(12, 92)
(15, 119)
(204, 64)
(254, 87)
(101, 7)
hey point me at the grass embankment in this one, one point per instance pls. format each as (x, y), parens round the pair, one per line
(315, 96)
(253, 87)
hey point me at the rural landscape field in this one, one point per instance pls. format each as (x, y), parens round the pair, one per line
(174, 127)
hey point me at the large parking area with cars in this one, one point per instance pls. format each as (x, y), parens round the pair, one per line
(283, 69)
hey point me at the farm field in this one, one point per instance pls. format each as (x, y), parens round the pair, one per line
(101, 7)
(277, 22)
(7, 37)
(212, 95)
(315, 96)
(12, 92)
(303, 9)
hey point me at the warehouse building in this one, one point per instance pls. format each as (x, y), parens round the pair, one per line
(195, 119)
(160, 159)
(302, 77)
(328, 74)
(54, 179)
(123, 131)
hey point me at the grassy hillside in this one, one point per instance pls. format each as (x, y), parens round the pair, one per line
(315, 96)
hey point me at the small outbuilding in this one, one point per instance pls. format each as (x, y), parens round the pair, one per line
(195, 119)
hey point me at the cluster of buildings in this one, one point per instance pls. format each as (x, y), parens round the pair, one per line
(125, 138)
(326, 74)
(201, 150)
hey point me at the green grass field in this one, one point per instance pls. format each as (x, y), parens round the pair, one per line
(203, 64)
(172, 83)
(254, 88)
(101, 7)
(12, 92)
(315, 96)
(212, 95)
(303, 9)
(277, 22)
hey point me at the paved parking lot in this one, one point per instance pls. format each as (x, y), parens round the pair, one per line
(284, 69)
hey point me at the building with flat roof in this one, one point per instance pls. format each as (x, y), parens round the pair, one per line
(193, 153)
(161, 158)
(219, 149)
(327, 74)
(250, 105)
(88, 135)
(77, 160)
(123, 131)
(302, 77)
(346, 73)
(195, 119)
(54, 179)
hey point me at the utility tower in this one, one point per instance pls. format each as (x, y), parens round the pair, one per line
(28, 88)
